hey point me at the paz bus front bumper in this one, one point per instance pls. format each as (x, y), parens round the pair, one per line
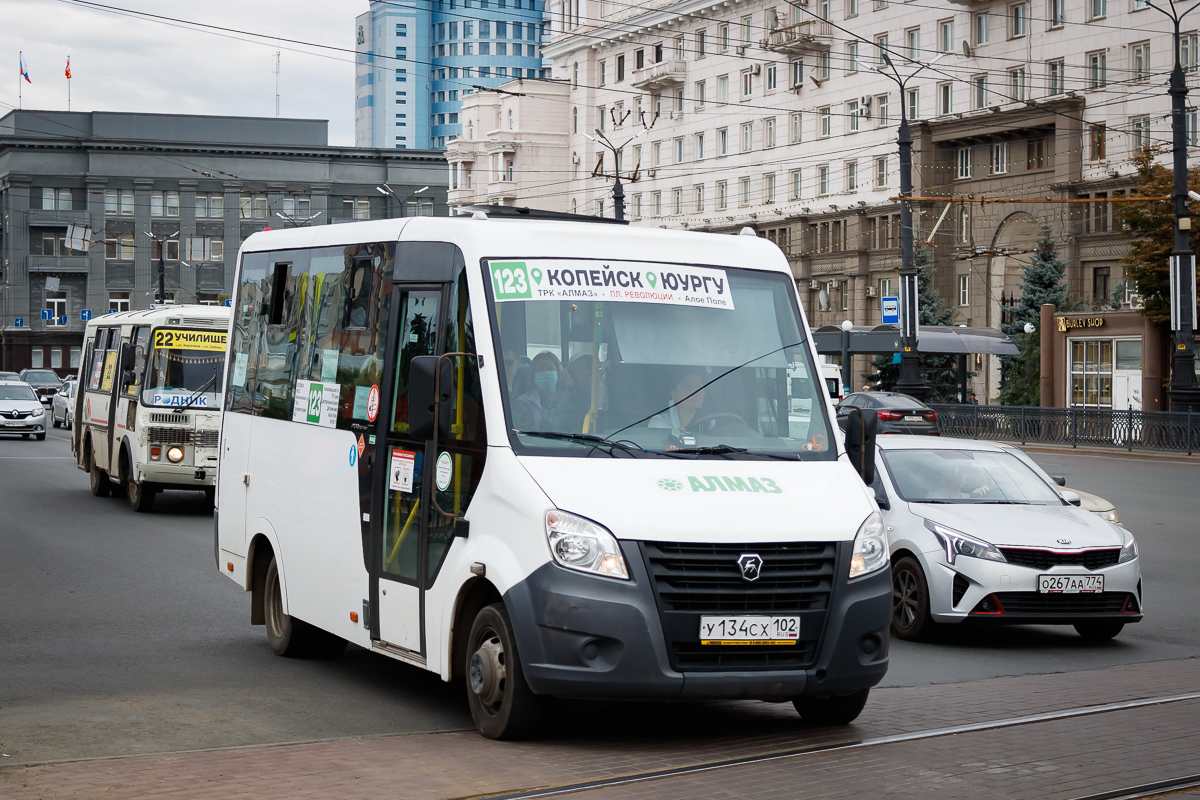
(584, 636)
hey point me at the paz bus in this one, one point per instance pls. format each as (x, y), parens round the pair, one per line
(148, 403)
(548, 458)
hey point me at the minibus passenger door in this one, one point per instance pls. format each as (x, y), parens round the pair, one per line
(402, 498)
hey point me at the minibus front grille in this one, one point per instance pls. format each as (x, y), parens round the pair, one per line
(171, 419)
(169, 436)
(691, 580)
(207, 438)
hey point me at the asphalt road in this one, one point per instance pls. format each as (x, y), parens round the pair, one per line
(119, 636)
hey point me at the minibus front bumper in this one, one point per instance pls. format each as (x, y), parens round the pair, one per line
(586, 636)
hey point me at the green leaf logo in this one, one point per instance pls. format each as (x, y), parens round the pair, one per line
(670, 485)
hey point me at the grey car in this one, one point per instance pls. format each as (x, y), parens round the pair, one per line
(44, 381)
(62, 409)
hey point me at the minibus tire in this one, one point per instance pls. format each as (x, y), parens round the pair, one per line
(288, 636)
(325, 645)
(831, 711)
(98, 478)
(141, 496)
(502, 704)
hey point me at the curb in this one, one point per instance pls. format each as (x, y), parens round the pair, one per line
(1147, 455)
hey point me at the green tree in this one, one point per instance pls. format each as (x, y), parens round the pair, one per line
(1043, 281)
(939, 371)
(1152, 224)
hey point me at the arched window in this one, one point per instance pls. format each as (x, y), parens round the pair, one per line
(575, 120)
(574, 165)
(510, 119)
(575, 76)
(574, 206)
(470, 130)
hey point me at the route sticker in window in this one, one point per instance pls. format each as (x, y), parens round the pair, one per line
(177, 339)
(612, 281)
(316, 403)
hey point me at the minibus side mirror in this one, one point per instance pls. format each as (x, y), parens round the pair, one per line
(860, 442)
(128, 369)
(426, 393)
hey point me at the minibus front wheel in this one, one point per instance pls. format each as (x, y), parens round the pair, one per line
(830, 711)
(502, 704)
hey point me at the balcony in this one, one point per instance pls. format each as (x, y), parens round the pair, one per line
(662, 75)
(811, 34)
(72, 263)
(51, 217)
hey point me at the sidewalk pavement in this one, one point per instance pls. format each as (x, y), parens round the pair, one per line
(588, 742)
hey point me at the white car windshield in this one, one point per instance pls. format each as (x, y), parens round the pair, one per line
(16, 392)
(181, 363)
(665, 359)
(966, 476)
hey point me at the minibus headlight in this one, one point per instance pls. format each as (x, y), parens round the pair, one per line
(580, 544)
(870, 547)
(175, 455)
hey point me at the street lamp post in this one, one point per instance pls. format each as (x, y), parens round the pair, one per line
(910, 381)
(1184, 393)
(387, 190)
(162, 267)
(618, 189)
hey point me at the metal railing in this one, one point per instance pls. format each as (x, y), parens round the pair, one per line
(1174, 431)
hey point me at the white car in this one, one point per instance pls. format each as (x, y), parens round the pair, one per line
(978, 536)
(62, 409)
(21, 411)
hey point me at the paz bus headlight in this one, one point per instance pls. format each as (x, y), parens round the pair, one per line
(870, 547)
(580, 544)
(175, 455)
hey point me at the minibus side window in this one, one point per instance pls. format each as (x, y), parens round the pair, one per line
(98, 357)
(140, 339)
(276, 374)
(359, 285)
(246, 317)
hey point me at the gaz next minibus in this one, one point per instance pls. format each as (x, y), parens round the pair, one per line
(553, 458)
(148, 402)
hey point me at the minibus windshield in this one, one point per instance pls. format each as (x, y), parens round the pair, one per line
(633, 358)
(181, 364)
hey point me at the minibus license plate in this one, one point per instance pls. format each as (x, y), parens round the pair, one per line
(739, 629)
(1070, 584)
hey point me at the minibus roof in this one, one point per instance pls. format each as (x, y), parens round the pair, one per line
(532, 238)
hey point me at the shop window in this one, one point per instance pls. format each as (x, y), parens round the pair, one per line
(1091, 373)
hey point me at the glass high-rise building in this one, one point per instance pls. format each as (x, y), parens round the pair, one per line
(417, 58)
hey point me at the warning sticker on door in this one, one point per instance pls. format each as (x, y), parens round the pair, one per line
(400, 478)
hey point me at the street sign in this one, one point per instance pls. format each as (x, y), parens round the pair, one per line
(85, 315)
(891, 310)
(62, 320)
(19, 322)
(47, 314)
(229, 303)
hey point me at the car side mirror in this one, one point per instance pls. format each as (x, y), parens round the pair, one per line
(860, 442)
(1071, 497)
(429, 396)
(1059, 479)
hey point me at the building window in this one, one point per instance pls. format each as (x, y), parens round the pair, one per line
(722, 141)
(118, 202)
(824, 122)
(885, 287)
(964, 293)
(656, 199)
(769, 132)
(679, 150)
(945, 98)
(210, 206)
(772, 77)
(676, 201)
(823, 65)
(1056, 73)
(1018, 20)
(1036, 154)
(1000, 158)
(964, 163)
(769, 188)
(723, 89)
(1190, 127)
(913, 99)
(912, 43)
(699, 194)
(852, 58)
(1097, 70)
(722, 195)
(56, 302)
(700, 95)
(1141, 61)
(620, 68)
(797, 73)
(56, 199)
(1016, 84)
(1097, 9)
(1189, 52)
(296, 206)
(881, 111)
(795, 181)
(1139, 133)
(964, 224)
(1058, 13)
(747, 84)
(700, 45)
(852, 116)
(1098, 139)
(946, 35)
(823, 180)
(745, 191)
(747, 136)
(881, 172)
(982, 27)
(723, 35)
(119, 247)
(795, 120)
(699, 146)
(1091, 373)
(980, 85)
(851, 176)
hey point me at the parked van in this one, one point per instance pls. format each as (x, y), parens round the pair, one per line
(549, 458)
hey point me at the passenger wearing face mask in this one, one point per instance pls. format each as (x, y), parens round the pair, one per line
(535, 409)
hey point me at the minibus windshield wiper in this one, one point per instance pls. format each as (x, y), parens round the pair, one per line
(725, 449)
(589, 438)
(196, 394)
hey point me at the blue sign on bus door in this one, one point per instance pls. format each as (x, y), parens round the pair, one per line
(891, 310)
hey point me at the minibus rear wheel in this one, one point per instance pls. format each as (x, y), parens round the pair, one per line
(502, 704)
(287, 635)
(829, 711)
(100, 484)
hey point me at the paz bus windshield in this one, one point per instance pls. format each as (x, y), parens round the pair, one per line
(183, 362)
(664, 359)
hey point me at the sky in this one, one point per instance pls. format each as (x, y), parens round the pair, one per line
(123, 63)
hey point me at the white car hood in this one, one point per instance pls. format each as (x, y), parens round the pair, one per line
(1025, 525)
(20, 405)
(708, 500)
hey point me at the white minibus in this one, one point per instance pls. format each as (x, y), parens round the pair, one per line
(550, 458)
(148, 404)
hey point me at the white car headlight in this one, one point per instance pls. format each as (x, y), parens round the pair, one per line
(870, 547)
(1110, 515)
(1129, 550)
(39, 412)
(957, 543)
(580, 544)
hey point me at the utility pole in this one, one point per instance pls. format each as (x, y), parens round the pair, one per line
(1183, 392)
(910, 381)
(162, 267)
(606, 143)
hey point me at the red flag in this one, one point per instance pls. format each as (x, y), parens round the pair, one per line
(68, 67)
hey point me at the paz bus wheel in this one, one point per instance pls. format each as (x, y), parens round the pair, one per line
(502, 704)
(141, 496)
(101, 487)
(287, 636)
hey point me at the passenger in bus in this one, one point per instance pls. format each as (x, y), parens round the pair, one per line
(535, 409)
(687, 397)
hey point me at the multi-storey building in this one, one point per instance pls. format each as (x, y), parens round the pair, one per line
(772, 114)
(91, 204)
(417, 59)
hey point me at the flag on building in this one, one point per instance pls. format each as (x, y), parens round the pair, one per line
(24, 70)
(68, 68)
